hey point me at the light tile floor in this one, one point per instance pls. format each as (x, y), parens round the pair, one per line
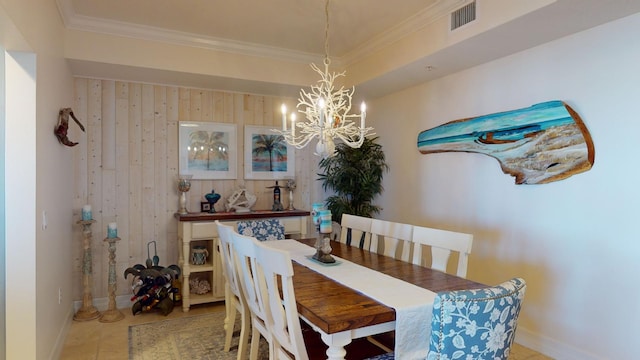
(93, 340)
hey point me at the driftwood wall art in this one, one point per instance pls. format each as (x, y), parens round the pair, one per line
(540, 144)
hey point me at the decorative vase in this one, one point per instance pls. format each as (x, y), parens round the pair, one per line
(212, 198)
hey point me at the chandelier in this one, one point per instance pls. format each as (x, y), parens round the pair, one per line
(326, 111)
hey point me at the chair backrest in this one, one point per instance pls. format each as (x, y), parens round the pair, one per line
(442, 242)
(262, 229)
(246, 255)
(391, 235)
(480, 323)
(229, 270)
(276, 280)
(356, 231)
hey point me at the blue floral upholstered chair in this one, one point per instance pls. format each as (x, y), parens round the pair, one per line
(474, 324)
(263, 229)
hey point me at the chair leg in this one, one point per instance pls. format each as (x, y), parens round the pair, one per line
(229, 322)
(243, 343)
(255, 341)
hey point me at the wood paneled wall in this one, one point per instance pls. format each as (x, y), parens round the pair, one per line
(126, 167)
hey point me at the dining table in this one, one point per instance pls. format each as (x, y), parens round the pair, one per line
(341, 313)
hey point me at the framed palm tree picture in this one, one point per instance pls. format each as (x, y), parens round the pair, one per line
(208, 150)
(267, 156)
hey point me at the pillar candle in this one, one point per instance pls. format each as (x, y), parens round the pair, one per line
(86, 213)
(315, 212)
(112, 230)
(293, 124)
(283, 108)
(325, 222)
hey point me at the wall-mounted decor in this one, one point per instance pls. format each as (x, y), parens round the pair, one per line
(63, 126)
(207, 150)
(540, 144)
(267, 156)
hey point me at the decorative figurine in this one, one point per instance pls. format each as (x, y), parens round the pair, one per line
(212, 198)
(241, 201)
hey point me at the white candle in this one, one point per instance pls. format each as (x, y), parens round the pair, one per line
(86, 213)
(283, 108)
(321, 110)
(112, 230)
(363, 114)
(293, 124)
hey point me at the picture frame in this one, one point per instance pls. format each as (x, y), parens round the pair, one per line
(207, 150)
(205, 206)
(267, 156)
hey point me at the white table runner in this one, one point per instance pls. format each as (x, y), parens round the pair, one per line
(413, 304)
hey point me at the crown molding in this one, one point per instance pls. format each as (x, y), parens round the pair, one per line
(74, 21)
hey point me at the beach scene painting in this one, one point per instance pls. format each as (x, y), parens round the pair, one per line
(208, 150)
(539, 144)
(267, 155)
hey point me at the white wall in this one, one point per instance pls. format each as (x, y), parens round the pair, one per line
(573, 241)
(44, 253)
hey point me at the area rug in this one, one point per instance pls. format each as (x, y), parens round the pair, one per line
(199, 337)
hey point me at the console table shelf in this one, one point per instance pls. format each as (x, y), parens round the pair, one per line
(199, 229)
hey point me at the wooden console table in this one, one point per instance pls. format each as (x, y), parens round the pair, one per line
(199, 229)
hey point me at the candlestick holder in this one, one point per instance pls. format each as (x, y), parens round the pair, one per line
(323, 248)
(291, 185)
(184, 184)
(112, 314)
(87, 311)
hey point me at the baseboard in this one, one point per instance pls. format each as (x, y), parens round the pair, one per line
(102, 304)
(551, 347)
(62, 335)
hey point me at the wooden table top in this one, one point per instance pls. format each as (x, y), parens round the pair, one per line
(334, 307)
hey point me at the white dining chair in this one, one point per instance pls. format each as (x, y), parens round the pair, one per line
(442, 243)
(246, 249)
(234, 298)
(275, 273)
(356, 231)
(391, 235)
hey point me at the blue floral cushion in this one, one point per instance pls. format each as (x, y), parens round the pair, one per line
(474, 324)
(264, 229)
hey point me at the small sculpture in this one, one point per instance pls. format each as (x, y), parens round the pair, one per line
(212, 198)
(241, 201)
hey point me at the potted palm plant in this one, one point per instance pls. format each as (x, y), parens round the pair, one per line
(355, 177)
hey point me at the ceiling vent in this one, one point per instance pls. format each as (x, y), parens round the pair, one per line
(463, 16)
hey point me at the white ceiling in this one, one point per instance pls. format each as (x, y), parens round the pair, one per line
(295, 29)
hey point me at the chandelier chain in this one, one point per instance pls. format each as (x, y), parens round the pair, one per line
(327, 61)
